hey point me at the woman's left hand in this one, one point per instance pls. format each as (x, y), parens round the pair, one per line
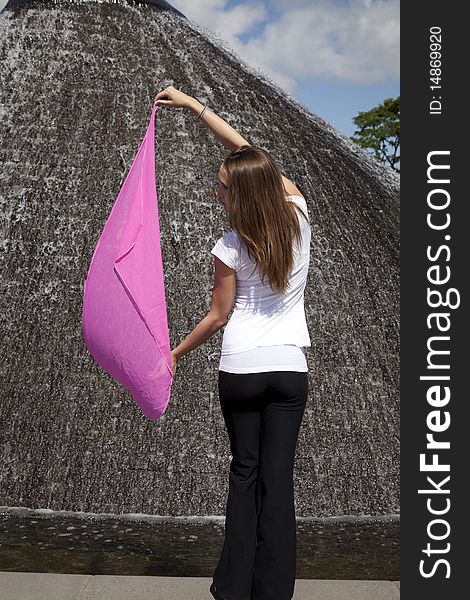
(174, 360)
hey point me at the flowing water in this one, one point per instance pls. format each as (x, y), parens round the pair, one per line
(77, 81)
(44, 541)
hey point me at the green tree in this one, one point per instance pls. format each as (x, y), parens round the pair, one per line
(379, 131)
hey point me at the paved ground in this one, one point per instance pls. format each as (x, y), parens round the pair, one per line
(46, 586)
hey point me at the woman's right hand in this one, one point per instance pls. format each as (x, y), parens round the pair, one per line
(170, 96)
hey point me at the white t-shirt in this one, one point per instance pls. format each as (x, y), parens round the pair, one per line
(267, 326)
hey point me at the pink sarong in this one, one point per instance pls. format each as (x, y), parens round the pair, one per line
(124, 318)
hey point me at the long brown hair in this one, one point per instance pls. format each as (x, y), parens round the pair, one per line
(260, 214)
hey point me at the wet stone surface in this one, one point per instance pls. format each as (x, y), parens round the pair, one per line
(346, 548)
(73, 438)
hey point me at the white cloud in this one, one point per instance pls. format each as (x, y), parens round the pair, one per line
(227, 22)
(354, 41)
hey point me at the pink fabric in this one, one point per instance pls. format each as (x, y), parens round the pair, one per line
(124, 319)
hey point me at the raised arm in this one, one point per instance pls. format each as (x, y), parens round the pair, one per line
(224, 132)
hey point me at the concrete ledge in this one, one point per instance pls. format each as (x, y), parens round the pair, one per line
(48, 586)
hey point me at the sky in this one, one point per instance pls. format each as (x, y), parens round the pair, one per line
(336, 57)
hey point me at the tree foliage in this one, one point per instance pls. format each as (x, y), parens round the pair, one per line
(378, 130)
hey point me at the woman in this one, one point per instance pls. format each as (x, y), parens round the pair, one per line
(260, 271)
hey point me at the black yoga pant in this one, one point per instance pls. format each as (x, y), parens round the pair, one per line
(262, 413)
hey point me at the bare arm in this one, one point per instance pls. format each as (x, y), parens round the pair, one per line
(231, 139)
(290, 188)
(223, 297)
(224, 132)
